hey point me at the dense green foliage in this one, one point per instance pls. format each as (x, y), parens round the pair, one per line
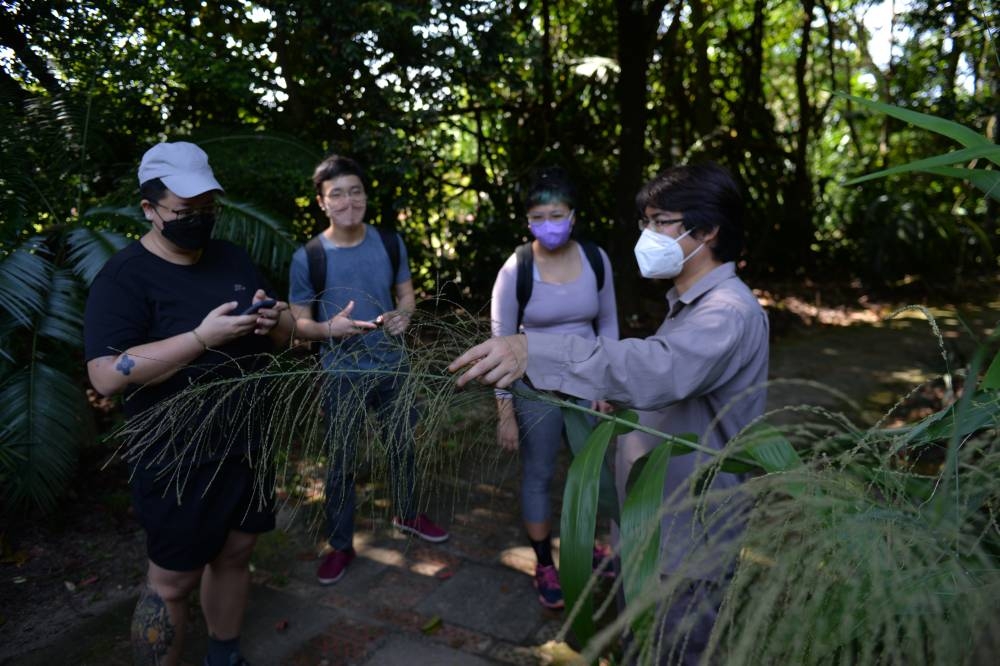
(451, 104)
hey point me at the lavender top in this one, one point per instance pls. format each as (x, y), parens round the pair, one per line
(571, 308)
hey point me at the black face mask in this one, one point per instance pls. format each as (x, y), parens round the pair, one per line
(191, 232)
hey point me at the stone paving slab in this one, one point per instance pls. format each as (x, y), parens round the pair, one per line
(492, 600)
(406, 651)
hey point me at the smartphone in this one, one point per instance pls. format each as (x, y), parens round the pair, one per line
(254, 307)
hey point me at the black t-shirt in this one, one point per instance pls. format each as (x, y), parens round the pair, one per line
(139, 298)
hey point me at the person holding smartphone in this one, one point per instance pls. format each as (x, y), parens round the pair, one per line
(172, 309)
(351, 291)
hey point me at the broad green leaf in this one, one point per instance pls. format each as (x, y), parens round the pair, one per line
(766, 445)
(578, 428)
(986, 180)
(640, 524)
(991, 380)
(948, 128)
(990, 152)
(579, 521)
(981, 412)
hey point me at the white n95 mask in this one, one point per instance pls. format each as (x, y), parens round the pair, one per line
(661, 256)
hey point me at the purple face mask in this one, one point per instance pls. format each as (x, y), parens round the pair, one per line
(552, 234)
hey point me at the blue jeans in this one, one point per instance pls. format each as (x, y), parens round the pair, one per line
(348, 399)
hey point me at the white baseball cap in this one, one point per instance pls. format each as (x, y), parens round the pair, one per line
(182, 166)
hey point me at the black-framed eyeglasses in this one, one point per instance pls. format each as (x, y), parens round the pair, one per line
(659, 223)
(180, 213)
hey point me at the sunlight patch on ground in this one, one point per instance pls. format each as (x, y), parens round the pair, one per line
(392, 558)
(520, 558)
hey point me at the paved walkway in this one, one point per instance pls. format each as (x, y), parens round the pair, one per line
(467, 601)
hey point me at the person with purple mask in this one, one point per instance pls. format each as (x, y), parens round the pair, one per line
(566, 297)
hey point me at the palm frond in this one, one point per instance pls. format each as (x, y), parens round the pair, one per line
(62, 317)
(90, 249)
(25, 276)
(44, 418)
(264, 236)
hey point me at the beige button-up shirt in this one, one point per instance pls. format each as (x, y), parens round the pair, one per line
(703, 372)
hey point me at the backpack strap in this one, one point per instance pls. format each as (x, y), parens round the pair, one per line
(525, 279)
(390, 239)
(316, 263)
(593, 254)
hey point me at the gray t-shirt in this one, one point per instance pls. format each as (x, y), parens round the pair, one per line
(363, 274)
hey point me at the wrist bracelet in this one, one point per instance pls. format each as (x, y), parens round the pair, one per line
(199, 339)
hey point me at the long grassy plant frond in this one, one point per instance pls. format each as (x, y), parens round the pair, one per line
(285, 403)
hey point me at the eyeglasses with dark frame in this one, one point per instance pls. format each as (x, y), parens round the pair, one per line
(659, 223)
(181, 213)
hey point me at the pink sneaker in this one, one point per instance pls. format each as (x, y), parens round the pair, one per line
(549, 590)
(421, 526)
(334, 566)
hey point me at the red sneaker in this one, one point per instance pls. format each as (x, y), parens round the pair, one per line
(334, 566)
(421, 526)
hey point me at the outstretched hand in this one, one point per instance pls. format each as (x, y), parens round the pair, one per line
(497, 362)
(341, 325)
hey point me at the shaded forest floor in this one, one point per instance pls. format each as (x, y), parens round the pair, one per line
(56, 571)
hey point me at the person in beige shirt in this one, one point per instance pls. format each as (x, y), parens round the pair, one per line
(703, 371)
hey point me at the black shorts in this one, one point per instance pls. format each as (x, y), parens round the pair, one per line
(187, 532)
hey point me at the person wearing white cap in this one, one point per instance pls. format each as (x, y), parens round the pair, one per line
(168, 311)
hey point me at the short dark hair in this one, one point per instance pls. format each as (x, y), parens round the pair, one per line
(153, 190)
(708, 197)
(551, 184)
(335, 166)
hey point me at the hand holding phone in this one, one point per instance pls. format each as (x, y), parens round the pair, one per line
(255, 307)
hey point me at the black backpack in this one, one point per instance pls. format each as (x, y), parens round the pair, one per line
(525, 262)
(316, 262)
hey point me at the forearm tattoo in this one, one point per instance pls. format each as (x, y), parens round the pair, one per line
(152, 630)
(125, 365)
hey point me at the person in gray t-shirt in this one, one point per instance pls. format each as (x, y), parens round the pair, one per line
(362, 306)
